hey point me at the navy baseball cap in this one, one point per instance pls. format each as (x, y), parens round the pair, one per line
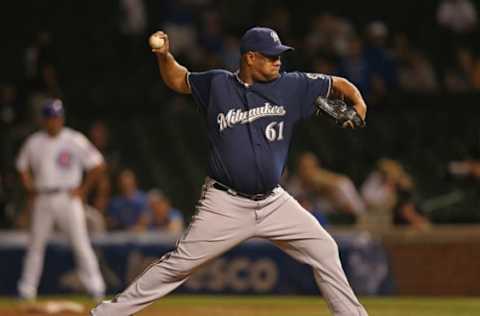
(262, 40)
(53, 108)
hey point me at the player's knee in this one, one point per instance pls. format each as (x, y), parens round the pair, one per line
(329, 250)
(331, 246)
(177, 268)
(37, 248)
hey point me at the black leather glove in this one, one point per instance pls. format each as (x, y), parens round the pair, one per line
(336, 109)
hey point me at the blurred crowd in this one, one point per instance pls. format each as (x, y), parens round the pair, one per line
(380, 60)
(388, 192)
(388, 196)
(204, 35)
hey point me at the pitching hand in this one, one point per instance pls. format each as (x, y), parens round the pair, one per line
(162, 49)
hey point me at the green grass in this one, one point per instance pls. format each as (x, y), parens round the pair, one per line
(292, 306)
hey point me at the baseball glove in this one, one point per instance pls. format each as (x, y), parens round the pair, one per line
(336, 109)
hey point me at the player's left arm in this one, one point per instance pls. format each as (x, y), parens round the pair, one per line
(93, 163)
(343, 87)
(90, 180)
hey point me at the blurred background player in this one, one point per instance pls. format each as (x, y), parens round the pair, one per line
(51, 163)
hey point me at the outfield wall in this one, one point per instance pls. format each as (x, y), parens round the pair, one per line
(442, 261)
(254, 267)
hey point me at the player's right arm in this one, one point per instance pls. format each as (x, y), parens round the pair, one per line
(24, 168)
(27, 181)
(173, 74)
(26, 178)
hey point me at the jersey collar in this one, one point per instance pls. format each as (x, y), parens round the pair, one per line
(246, 85)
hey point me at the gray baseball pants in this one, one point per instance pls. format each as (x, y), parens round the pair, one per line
(68, 213)
(222, 222)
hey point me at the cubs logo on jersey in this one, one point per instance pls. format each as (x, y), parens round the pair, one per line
(64, 159)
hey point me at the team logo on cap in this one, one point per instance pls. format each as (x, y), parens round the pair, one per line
(64, 159)
(275, 37)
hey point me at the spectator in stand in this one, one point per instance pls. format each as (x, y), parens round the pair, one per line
(163, 216)
(390, 188)
(416, 74)
(465, 168)
(322, 190)
(318, 39)
(355, 67)
(459, 16)
(329, 35)
(415, 71)
(129, 210)
(179, 25)
(379, 58)
(459, 77)
(457, 20)
(133, 23)
(134, 19)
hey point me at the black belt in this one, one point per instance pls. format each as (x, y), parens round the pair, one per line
(253, 197)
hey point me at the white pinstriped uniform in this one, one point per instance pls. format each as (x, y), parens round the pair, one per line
(57, 165)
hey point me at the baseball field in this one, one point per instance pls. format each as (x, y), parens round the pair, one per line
(179, 305)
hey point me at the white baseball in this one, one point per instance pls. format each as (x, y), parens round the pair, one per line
(156, 42)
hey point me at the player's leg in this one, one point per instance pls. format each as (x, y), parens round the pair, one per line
(299, 234)
(220, 224)
(40, 228)
(71, 219)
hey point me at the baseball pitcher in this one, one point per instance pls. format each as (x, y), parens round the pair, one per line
(250, 116)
